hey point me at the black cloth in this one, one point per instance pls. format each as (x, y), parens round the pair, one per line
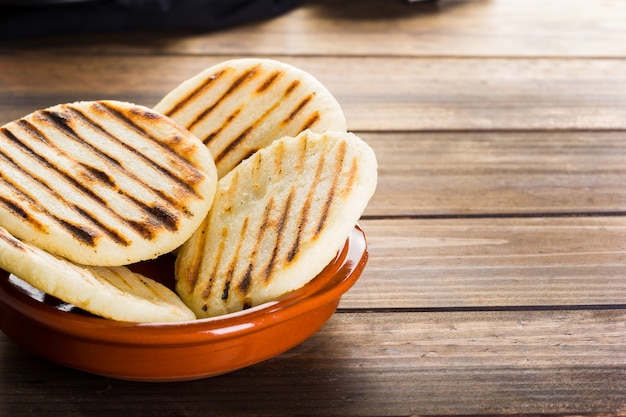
(28, 18)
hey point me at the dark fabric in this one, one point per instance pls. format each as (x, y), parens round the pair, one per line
(27, 18)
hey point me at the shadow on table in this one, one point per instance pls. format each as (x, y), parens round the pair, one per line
(298, 382)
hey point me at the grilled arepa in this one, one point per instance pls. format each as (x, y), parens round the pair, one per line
(242, 105)
(112, 292)
(277, 220)
(103, 183)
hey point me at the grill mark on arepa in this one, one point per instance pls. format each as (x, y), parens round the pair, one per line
(209, 281)
(177, 203)
(112, 233)
(104, 178)
(208, 288)
(304, 213)
(237, 141)
(271, 79)
(162, 216)
(292, 87)
(60, 122)
(14, 208)
(118, 280)
(336, 174)
(84, 234)
(301, 105)
(284, 214)
(154, 290)
(199, 243)
(246, 279)
(98, 175)
(314, 118)
(230, 271)
(232, 145)
(129, 285)
(178, 106)
(211, 136)
(219, 253)
(353, 175)
(37, 134)
(11, 240)
(246, 76)
(191, 175)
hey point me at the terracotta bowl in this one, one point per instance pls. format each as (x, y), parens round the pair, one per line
(177, 351)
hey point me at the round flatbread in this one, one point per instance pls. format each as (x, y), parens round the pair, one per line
(103, 183)
(112, 292)
(240, 106)
(278, 219)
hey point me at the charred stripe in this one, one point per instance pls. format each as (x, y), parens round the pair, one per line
(239, 81)
(192, 175)
(333, 189)
(60, 122)
(301, 105)
(230, 271)
(178, 106)
(82, 233)
(114, 235)
(11, 240)
(192, 273)
(231, 146)
(314, 118)
(266, 84)
(36, 133)
(292, 87)
(169, 221)
(246, 280)
(279, 235)
(211, 136)
(304, 214)
(210, 282)
(18, 211)
(161, 215)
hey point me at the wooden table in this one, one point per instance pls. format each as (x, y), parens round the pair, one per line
(497, 274)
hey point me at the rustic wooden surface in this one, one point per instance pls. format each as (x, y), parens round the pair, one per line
(497, 274)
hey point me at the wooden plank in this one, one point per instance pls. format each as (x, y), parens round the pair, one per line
(367, 364)
(484, 263)
(471, 173)
(479, 173)
(563, 28)
(390, 94)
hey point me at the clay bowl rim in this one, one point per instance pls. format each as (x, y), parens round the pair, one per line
(336, 278)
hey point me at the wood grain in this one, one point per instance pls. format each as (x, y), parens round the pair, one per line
(492, 263)
(372, 364)
(498, 173)
(376, 93)
(497, 235)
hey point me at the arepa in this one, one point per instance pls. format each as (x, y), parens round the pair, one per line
(277, 220)
(112, 292)
(103, 183)
(241, 105)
